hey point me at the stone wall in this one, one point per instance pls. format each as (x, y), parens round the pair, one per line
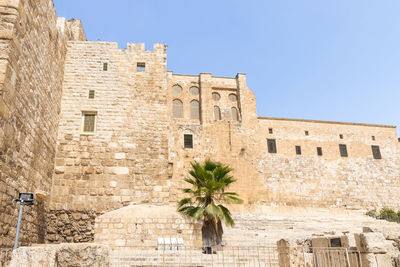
(32, 53)
(283, 178)
(137, 153)
(125, 159)
(140, 226)
(64, 226)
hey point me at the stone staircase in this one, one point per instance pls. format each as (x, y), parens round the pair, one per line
(265, 229)
(252, 241)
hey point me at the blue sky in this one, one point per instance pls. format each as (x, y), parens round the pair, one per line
(327, 60)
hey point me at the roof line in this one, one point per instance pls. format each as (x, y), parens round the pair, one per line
(329, 122)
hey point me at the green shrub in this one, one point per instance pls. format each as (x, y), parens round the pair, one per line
(372, 213)
(388, 215)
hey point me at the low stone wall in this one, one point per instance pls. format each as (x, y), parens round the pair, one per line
(90, 255)
(141, 225)
(67, 226)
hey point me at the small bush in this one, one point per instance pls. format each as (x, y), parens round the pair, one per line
(372, 213)
(385, 214)
(388, 215)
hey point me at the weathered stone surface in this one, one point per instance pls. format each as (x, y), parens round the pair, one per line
(72, 255)
(32, 60)
(320, 242)
(372, 242)
(70, 226)
(141, 225)
(369, 260)
(384, 260)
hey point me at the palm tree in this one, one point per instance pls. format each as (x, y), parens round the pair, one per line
(209, 181)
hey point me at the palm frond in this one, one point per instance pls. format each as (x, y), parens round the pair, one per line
(226, 215)
(184, 202)
(212, 211)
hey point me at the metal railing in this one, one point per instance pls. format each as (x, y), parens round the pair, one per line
(328, 257)
(257, 256)
(5, 256)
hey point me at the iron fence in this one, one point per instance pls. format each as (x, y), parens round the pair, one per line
(238, 256)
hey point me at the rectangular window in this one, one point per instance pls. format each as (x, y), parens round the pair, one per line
(271, 145)
(341, 136)
(105, 66)
(343, 150)
(89, 122)
(270, 131)
(91, 94)
(141, 66)
(319, 151)
(188, 141)
(373, 138)
(306, 133)
(376, 152)
(298, 150)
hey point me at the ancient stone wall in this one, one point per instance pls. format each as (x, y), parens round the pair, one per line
(140, 226)
(283, 178)
(32, 53)
(125, 159)
(355, 181)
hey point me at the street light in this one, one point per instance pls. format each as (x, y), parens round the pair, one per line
(24, 199)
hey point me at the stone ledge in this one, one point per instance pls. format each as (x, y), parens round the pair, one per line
(83, 254)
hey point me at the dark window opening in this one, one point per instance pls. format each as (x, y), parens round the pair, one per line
(306, 133)
(89, 120)
(341, 136)
(270, 131)
(105, 66)
(271, 145)
(91, 94)
(376, 152)
(343, 150)
(188, 141)
(141, 66)
(319, 151)
(336, 243)
(373, 138)
(298, 150)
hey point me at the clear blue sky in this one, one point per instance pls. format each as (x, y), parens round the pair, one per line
(311, 59)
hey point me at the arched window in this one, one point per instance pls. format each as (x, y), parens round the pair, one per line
(216, 96)
(194, 90)
(195, 110)
(234, 114)
(176, 89)
(233, 97)
(217, 113)
(177, 108)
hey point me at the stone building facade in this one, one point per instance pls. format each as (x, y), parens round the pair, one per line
(91, 128)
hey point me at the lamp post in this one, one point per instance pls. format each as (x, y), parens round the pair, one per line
(24, 199)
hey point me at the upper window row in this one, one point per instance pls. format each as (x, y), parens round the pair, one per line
(216, 97)
(306, 133)
(376, 153)
(140, 66)
(176, 89)
(177, 109)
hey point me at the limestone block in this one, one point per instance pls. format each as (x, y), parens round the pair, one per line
(83, 254)
(383, 260)
(320, 242)
(117, 170)
(369, 260)
(372, 243)
(348, 241)
(34, 256)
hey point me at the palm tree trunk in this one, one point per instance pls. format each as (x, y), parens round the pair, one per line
(211, 233)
